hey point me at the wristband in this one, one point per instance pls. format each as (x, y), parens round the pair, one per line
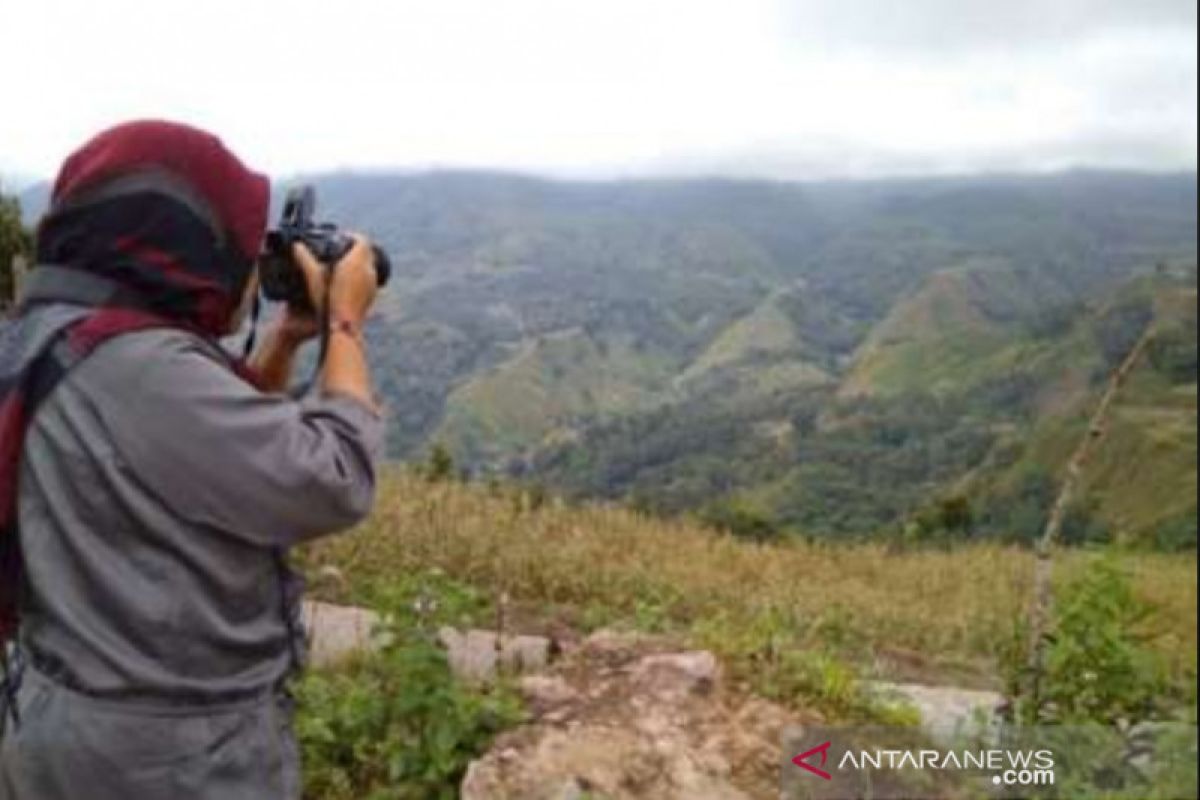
(345, 326)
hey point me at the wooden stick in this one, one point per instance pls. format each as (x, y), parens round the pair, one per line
(1043, 566)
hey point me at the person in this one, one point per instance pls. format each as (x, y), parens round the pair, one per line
(155, 484)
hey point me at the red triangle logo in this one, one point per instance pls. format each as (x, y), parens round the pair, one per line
(801, 760)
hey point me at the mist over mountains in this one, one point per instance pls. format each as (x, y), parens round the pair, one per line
(833, 358)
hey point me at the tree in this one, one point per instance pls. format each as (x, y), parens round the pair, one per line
(440, 466)
(955, 514)
(14, 241)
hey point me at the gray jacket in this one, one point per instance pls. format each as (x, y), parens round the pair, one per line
(158, 492)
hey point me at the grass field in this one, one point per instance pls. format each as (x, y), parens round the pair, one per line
(932, 614)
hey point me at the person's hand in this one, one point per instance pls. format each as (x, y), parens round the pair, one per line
(351, 291)
(297, 325)
(354, 283)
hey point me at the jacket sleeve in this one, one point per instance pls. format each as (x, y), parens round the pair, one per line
(264, 467)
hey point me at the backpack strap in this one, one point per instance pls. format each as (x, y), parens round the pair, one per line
(46, 372)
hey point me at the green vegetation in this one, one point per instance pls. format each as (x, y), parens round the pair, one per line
(948, 611)
(803, 623)
(14, 240)
(836, 357)
(396, 724)
(1140, 485)
(876, 455)
(1106, 687)
(840, 411)
(556, 381)
(739, 519)
(1100, 665)
(440, 464)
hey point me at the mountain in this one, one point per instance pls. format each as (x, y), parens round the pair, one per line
(829, 357)
(1141, 479)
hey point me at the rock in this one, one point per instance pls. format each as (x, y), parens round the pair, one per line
(572, 790)
(946, 710)
(329, 575)
(622, 719)
(615, 648)
(669, 673)
(474, 655)
(334, 632)
(545, 692)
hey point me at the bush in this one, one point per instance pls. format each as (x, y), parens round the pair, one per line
(1116, 724)
(440, 466)
(1098, 667)
(941, 523)
(740, 520)
(1173, 354)
(1082, 525)
(397, 724)
(1177, 534)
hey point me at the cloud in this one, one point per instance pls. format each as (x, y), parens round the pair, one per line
(607, 87)
(939, 27)
(835, 158)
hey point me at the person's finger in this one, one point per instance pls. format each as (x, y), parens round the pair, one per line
(314, 273)
(361, 251)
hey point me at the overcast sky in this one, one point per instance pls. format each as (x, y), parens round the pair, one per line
(825, 88)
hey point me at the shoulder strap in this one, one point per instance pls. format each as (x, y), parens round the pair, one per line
(49, 370)
(46, 372)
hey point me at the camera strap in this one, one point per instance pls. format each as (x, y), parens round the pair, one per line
(252, 334)
(322, 344)
(323, 323)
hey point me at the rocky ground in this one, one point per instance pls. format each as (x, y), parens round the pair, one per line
(623, 716)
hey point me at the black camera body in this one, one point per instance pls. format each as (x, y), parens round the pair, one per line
(282, 279)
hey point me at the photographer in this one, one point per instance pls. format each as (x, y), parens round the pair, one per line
(154, 484)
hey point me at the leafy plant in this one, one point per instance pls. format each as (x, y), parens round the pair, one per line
(397, 724)
(1098, 666)
(1104, 703)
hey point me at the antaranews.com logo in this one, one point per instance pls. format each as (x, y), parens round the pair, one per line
(1008, 767)
(994, 761)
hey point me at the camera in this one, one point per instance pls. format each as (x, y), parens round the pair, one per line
(282, 278)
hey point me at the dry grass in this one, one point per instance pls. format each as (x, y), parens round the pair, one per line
(954, 607)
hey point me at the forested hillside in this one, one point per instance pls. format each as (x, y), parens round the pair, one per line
(832, 358)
